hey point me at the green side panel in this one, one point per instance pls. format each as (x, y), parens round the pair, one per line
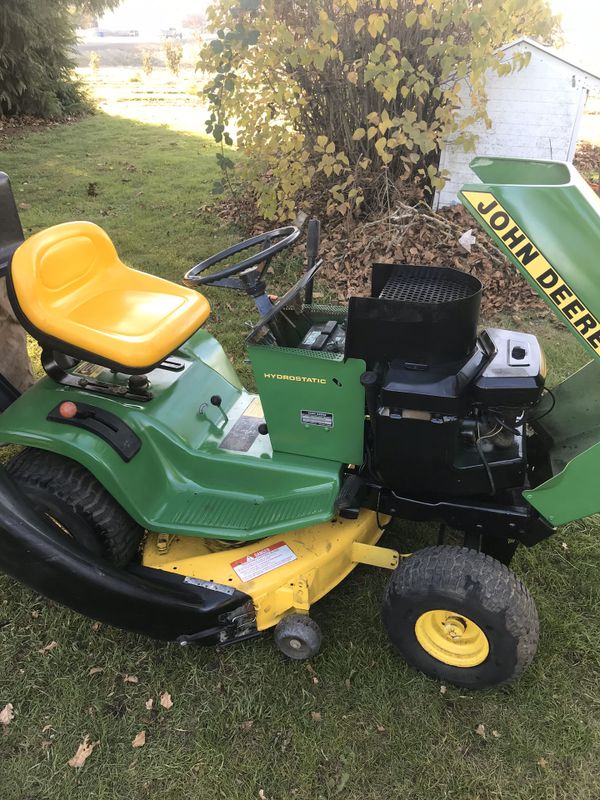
(314, 403)
(191, 475)
(571, 433)
(546, 220)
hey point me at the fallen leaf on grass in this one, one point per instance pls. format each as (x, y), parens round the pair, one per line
(84, 751)
(467, 240)
(48, 648)
(311, 670)
(6, 716)
(46, 743)
(140, 739)
(496, 735)
(149, 703)
(247, 725)
(480, 731)
(130, 679)
(316, 716)
(541, 762)
(380, 728)
(47, 728)
(95, 670)
(166, 700)
(96, 626)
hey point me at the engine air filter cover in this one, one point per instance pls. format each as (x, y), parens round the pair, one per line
(427, 285)
(417, 314)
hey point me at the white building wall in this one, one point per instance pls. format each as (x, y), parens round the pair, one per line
(535, 113)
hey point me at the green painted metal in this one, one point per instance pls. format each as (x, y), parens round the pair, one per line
(314, 402)
(183, 480)
(571, 433)
(546, 220)
(560, 216)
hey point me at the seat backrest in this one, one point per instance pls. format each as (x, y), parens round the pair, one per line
(59, 264)
(11, 232)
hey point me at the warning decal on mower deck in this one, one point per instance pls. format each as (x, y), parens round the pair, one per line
(263, 561)
(531, 259)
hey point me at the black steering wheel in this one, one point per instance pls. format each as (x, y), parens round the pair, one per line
(272, 242)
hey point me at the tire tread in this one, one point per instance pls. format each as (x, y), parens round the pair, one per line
(499, 589)
(74, 485)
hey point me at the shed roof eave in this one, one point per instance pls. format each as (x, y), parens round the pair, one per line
(595, 79)
(550, 52)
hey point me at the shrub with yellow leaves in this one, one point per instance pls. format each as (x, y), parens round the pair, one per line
(356, 94)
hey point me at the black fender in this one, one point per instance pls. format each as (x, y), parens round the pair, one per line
(148, 601)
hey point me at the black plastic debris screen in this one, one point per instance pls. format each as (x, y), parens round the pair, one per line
(417, 285)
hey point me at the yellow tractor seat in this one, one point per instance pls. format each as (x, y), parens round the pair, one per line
(71, 291)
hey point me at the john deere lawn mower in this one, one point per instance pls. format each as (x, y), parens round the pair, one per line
(153, 492)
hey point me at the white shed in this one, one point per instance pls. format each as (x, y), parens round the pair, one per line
(536, 112)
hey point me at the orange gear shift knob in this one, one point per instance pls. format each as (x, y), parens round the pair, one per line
(67, 409)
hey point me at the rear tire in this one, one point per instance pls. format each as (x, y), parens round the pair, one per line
(77, 504)
(461, 616)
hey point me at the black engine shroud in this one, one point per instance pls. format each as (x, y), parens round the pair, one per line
(446, 405)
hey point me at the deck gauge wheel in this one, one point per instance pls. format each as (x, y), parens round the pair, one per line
(298, 637)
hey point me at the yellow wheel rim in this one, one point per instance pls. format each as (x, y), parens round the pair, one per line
(452, 638)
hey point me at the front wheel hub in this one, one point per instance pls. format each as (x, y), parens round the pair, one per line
(452, 638)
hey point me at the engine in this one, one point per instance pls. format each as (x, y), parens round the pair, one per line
(446, 404)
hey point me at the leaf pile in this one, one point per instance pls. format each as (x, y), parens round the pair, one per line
(19, 126)
(411, 234)
(587, 161)
(417, 235)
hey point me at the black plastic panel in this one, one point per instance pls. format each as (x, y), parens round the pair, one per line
(148, 601)
(102, 423)
(11, 232)
(422, 315)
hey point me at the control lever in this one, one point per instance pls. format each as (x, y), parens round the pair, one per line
(313, 236)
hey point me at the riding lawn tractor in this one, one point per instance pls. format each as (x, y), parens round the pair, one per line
(153, 492)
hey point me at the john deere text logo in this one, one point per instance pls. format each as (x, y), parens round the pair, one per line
(533, 262)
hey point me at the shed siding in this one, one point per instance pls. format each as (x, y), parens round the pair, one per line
(533, 112)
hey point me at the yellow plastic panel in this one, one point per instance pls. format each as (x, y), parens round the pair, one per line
(71, 286)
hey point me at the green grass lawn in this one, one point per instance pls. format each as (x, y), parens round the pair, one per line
(245, 723)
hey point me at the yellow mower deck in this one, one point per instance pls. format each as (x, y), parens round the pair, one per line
(284, 573)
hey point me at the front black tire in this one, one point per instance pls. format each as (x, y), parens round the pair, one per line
(77, 504)
(461, 616)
